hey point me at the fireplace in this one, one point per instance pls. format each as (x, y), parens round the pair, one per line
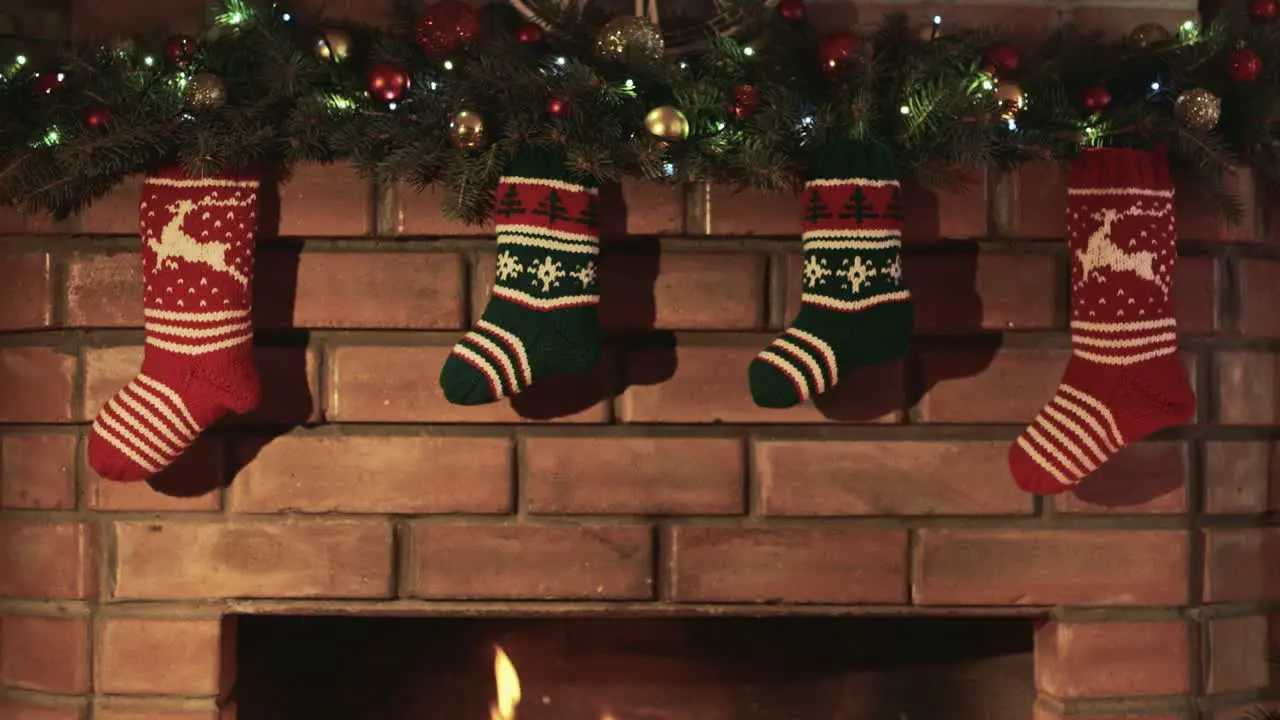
(781, 668)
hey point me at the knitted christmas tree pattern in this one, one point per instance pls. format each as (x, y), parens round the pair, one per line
(1124, 380)
(541, 320)
(856, 309)
(197, 254)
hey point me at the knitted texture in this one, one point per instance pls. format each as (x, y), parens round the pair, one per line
(197, 261)
(855, 307)
(541, 320)
(1124, 380)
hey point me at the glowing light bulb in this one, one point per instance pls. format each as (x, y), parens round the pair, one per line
(62, 77)
(148, 61)
(669, 169)
(235, 18)
(392, 106)
(448, 64)
(286, 17)
(1155, 86)
(629, 84)
(904, 110)
(719, 125)
(749, 51)
(433, 85)
(562, 61)
(937, 19)
(1013, 124)
(808, 120)
(987, 84)
(21, 60)
(683, 65)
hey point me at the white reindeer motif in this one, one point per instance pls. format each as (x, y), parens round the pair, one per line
(174, 244)
(1101, 252)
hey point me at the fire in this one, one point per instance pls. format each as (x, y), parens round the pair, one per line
(508, 682)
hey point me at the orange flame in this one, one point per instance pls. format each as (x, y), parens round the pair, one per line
(508, 682)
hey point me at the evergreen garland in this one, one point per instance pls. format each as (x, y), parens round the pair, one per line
(933, 100)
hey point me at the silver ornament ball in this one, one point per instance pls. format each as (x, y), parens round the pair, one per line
(1198, 109)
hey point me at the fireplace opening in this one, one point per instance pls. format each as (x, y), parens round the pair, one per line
(786, 668)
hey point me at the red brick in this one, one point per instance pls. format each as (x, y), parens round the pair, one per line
(790, 565)
(106, 370)
(134, 709)
(1045, 713)
(27, 301)
(14, 221)
(1237, 654)
(691, 291)
(1012, 387)
(45, 653)
(326, 200)
(104, 290)
(1197, 219)
(95, 20)
(37, 385)
(190, 484)
(1259, 288)
(37, 472)
(1050, 567)
(17, 709)
(372, 12)
(709, 384)
(1014, 21)
(961, 293)
(1237, 476)
(652, 208)
(398, 384)
(1033, 200)
(886, 478)
(1247, 388)
(936, 215)
(1195, 294)
(1112, 659)
(362, 290)
(421, 212)
(154, 656)
(116, 213)
(1240, 565)
(46, 560)
(633, 476)
(1144, 477)
(753, 212)
(400, 475)
(1247, 712)
(289, 377)
(532, 562)
(282, 559)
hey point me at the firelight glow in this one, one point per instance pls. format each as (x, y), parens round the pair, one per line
(508, 683)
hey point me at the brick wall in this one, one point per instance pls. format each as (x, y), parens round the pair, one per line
(654, 485)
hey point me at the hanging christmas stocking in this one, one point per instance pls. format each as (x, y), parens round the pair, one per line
(541, 320)
(856, 309)
(1124, 380)
(197, 269)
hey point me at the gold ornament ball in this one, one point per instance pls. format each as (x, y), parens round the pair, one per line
(1011, 99)
(1148, 34)
(630, 38)
(466, 128)
(1198, 109)
(333, 44)
(667, 123)
(206, 91)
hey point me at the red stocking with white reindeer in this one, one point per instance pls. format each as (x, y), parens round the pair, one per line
(197, 268)
(1124, 380)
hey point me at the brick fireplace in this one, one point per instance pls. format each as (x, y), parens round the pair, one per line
(652, 493)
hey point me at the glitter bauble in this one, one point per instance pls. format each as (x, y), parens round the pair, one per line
(447, 26)
(387, 82)
(630, 39)
(180, 50)
(836, 51)
(206, 91)
(1198, 109)
(1096, 99)
(1244, 66)
(793, 10)
(1147, 35)
(333, 44)
(1011, 99)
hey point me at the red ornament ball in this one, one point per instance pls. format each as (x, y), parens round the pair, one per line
(48, 83)
(793, 10)
(746, 99)
(530, 33)
(1096, 99)
(836, 51)
(1244, 66)
(447, 26)
(1002, 59)
(557, 107)
(180, 50)
(387, 82)
(1261, 11)
(97, 117)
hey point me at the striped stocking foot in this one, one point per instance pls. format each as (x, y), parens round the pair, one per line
(856, 309)
(1124, 380)
(197, 253)
(541, 320)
